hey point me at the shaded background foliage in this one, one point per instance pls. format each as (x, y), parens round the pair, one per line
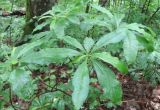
(34, 75)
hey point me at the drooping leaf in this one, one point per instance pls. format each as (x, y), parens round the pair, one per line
(136, 27)
(108, 81)
(148, 44)
(146, 38)
(106, 57)
(81, 85)
(102, 9)
(72, 41)
(140, 29)
(49, 55)
(88, 43)
(130, 46)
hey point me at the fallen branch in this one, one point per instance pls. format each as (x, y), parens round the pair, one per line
(14, 13)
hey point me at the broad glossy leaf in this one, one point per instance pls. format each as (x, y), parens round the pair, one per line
(88, 43)
(108, 81)
(72, 41)
(106, 57)
(145, 38)
(113, 37)
(81, 85)
(130, 46)
(49, 55)
(21, 83)
(22, 50)
(136, 27)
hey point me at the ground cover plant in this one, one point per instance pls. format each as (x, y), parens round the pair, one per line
(79, 55)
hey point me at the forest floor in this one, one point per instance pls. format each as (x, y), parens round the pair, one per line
(137, 95)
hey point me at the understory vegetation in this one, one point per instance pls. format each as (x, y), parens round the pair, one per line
(78, 55)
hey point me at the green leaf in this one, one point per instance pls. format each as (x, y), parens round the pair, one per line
(86, 26)
(22, 50)
(130, 46)
(108, 81)
(79, 59)
(136, 27)
(14, 61)
(88, 43)
(103, 10)
(44, 100)
(61, 105)
(116, 20)
(59, 27)
(21, 83)
(154, 57)
(106, 57)
(49, 55)
(72, 41)
(81, 85)
(74, 19)
(113, 37)
(40, 27)
(40, 35)
(148, 44)
(144, 38)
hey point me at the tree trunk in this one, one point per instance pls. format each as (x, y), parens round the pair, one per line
(35, 8)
